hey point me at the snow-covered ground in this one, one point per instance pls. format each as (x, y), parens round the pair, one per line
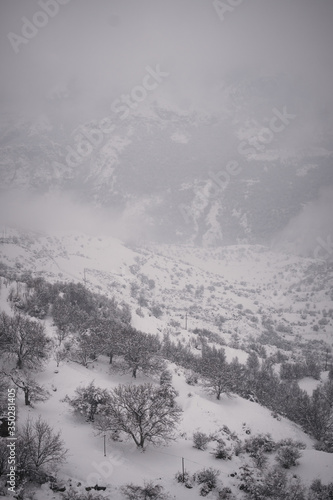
(243, 275)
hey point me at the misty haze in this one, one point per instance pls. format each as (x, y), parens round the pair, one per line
(166, 249)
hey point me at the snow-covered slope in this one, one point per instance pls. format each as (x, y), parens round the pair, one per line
(243, 284)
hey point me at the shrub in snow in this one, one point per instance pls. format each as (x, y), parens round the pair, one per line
(238, 448)
(208, 479)
(292, 442)
(222, 452)
(259, 442)
(274, 483)
(139, 312)
(260, 459)
(191, 378)
(147, 492)
(287, 456)
(200, 440)
(249, 477)
(232, 435)
(73, 494)
(156, 310)
(182, 478)
(319, 491)
(166, 377)
(226, 494)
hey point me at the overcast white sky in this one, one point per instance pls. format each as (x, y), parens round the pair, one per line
(101, 48)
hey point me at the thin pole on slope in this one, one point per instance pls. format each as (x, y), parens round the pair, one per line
(104, 436)
(183, 469)
(186, 320)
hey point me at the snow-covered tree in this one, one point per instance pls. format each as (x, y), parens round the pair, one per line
(89, 400)
(40, 449)
(25, 339)
(141, 352)
(215, 371)
(145, 413)
(33, 392)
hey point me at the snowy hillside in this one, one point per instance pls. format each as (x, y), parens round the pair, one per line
(235, 296)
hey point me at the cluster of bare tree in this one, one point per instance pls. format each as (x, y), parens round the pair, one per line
(144, 413)
(257, 380)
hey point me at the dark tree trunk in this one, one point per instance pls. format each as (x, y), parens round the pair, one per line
(26, 396)
(110, 357)
(135, 369)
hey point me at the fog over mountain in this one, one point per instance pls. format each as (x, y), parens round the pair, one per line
(184, 121)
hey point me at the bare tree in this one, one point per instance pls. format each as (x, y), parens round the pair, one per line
(42, 450)
(215, 371)
(145, 413)
(24, 338)
(33, 392)
(141, 351)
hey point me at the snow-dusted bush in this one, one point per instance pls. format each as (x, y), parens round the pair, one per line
(200, 440)
(73, 494)
(208, 479)
(183, 477)
(148, 491)
(156, 310)
(166, 377)
(260, 459)
(259, 442)
(191, 378)
(287, 456)
(226, 494)
(319, 491)
(88, 400)
(292, 442)
(222, 451)
(139, 312)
